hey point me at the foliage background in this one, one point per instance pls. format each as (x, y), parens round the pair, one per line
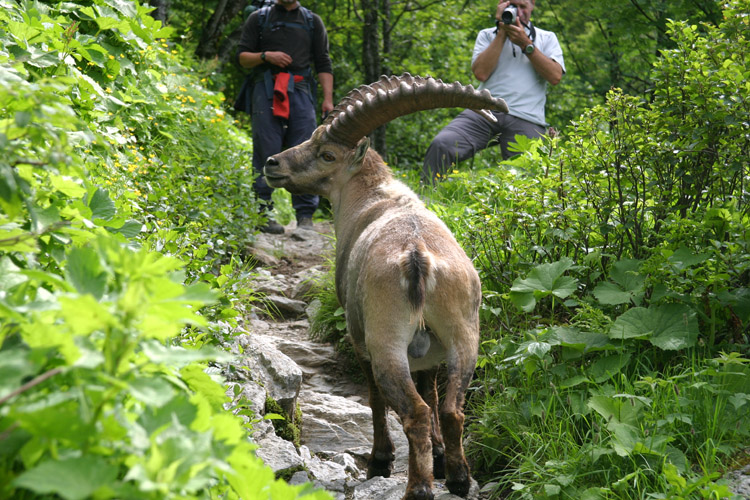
(614, 258)
(124, 210)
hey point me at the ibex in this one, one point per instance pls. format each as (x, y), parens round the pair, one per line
(410, 293)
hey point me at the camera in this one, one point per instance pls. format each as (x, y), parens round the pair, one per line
(509, 15)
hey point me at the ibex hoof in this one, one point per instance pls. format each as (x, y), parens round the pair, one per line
(378, 471)
(380, 465)
(460, 488)
(420, 493)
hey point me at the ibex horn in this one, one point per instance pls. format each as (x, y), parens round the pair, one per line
(366, 108)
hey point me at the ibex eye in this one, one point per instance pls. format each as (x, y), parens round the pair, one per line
(328, 156)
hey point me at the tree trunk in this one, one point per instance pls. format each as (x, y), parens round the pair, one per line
(211, 36)
(161, 11)
(371, 59)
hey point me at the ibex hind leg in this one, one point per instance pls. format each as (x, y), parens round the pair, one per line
(398, 389)
(427, 386)
(460, 371)
(382, 455)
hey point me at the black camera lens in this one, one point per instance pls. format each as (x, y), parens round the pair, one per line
(509, 15)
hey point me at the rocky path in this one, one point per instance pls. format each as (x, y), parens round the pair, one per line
(277, 359)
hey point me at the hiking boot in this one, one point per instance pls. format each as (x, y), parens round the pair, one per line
(305, 223)
(272, 227)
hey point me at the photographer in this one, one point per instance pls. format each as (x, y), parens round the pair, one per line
(514, 61)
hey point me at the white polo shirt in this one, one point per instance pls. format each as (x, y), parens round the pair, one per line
(515, 79)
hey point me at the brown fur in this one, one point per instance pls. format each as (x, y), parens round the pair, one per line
(398, 269)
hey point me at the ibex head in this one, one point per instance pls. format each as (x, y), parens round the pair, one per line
(338, 148)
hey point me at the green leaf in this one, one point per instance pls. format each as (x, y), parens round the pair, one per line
(17, 240)
(102, 207)
(177, 356)
(543, 280)
(683, 258)
(154, 391)
(41, 219)
(71, 478)
(616, 410)
(14, 368)
(604, 368)
(130, 229)
(106, 23)
(85, 271)
(524, 301)
(594, 493)
(9, 274)
(201, 382)
(21, 31)
(667, 326)
(552, 489)
(68, 186)
(178, 408)
(548, 278)
(577, 339)
(611, 294)
(126, 8)
(628, 284)
(673, 476)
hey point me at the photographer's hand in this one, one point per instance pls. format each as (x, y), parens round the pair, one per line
(516, 33)
(500, 8)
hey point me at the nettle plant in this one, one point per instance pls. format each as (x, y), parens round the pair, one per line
(103, 392)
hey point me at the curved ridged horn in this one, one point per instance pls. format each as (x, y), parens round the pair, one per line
(366, 108)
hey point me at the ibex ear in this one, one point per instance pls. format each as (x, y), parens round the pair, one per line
(359, 154)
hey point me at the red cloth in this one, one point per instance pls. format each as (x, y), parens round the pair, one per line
(280, 96)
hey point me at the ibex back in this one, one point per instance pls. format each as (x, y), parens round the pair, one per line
(410, 293)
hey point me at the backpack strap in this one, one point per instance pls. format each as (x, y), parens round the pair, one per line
(264, 21)
(308, 20)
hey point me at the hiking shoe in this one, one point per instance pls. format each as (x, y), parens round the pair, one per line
(272, 227)
(305, 223)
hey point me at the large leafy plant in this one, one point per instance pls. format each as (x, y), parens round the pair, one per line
(614, 262)
(117, 167)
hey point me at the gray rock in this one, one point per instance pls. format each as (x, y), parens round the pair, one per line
(330, 475)
(263, 256)
(349, 464)
(307, 282)
(313, 307)
(380, 488)
(334, 424)
(273, 369)
(249, 391)
(278, 454)
(299, 477)
(739, 482)
(288, 308)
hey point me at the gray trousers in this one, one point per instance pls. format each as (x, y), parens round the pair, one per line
(470, 133)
